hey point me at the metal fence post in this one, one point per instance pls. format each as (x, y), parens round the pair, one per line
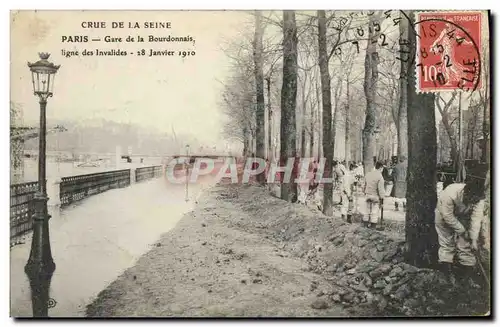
(53, 192)
(132, 176)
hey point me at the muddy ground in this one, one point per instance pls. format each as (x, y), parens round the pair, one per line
(244, 253)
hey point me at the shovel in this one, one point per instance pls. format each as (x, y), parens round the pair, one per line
(481, 268)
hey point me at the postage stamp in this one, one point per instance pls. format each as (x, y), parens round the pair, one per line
(448, 51)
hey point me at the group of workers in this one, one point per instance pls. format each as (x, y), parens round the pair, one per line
(462, 213)
(375, 189)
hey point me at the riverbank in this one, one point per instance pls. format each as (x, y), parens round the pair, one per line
(243, 253)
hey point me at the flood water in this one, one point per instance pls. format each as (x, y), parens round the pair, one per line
(94, 242)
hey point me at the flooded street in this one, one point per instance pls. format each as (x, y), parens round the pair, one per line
(95, 240)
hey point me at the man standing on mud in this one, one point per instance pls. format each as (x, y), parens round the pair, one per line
(346, 189)
(399, 177)
(374, 193)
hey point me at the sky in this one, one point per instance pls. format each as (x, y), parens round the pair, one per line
(158, 92)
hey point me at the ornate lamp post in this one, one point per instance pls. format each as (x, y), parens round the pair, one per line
(40, 265)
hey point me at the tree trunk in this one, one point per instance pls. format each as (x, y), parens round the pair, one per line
(288, 128)
(472, 141)
(468, 143)
(303, 140)
(311, 139)
(260, 113)
(359, 149)
(336, 117)
(269, 122)
(369, 86)
(421, 238)
(347, 143)
(320, 122)
(303, 121)
(346, 136)
(246, 142)
(328, 140)
(402, 124)
(451, 136)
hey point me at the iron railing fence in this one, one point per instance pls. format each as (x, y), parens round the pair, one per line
(21, 208)
(76, 188)
(145, 173)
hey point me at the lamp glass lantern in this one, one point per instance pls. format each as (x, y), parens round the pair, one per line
(42, 76)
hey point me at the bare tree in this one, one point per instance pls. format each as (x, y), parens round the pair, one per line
(337, 91)
(253, 57)
(314, 105)
(328, 141)
(272, 56)
(260, 123)
(484, 96)
(342, 100)
(370, 85)
(348, 110)
(474, 128)
(16, 145)
(237, 102)
(288, 128)
(319, 118)
(269, 121)
(402, 123)
(306, 92)
(445, 109)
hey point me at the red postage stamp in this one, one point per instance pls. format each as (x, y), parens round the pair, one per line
(448, 51)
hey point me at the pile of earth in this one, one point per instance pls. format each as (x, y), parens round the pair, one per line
(365, 267)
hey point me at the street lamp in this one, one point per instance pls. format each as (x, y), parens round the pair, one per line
(40, 265)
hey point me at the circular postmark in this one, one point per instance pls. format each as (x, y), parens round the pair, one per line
(448, 55)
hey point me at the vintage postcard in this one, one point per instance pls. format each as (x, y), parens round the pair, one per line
(250, 163)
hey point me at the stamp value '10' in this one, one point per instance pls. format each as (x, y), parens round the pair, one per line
(448, 51)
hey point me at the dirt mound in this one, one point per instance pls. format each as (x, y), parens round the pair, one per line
(365, 267)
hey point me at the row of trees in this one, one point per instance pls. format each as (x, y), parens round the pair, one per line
(333, 103)
(339, 85)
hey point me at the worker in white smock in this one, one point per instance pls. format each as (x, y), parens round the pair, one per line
(455, 206)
